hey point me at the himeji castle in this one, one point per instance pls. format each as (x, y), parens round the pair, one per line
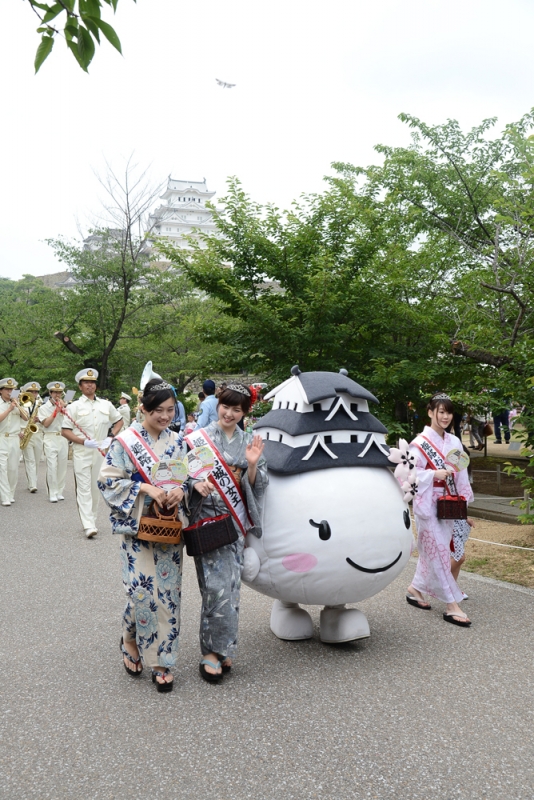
(184, 211)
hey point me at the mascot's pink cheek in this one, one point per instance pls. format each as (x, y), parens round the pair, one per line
(299, 562)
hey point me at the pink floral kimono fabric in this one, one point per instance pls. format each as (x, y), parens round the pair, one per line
(433, 574)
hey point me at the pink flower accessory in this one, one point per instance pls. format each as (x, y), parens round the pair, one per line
(410, 488)
(404, 460)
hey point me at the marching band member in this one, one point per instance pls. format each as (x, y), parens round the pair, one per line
(124, 408)
(56, 447)
(34, 449)
(10, 416)
(94, 417)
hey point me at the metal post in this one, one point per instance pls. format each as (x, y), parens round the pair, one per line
(498, 478)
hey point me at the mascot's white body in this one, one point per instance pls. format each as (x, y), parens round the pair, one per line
(336, 529)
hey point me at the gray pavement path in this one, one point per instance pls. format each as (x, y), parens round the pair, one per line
(420, 711)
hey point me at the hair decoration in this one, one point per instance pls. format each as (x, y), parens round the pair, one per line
(159, 387)
(440, 396)
(238, 387)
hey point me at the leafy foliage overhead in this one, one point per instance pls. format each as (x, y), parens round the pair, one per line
(79, 22)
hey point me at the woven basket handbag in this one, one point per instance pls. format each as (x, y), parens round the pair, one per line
(452, 506)
(164, 528)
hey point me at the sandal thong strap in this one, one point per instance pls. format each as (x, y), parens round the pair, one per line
(210, 663)
(128, 656)
(159, 674)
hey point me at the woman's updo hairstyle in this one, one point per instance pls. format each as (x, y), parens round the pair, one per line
(155, 393)
(236, 395)
(440, 399)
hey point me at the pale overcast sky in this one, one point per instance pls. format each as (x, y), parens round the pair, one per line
(316, 82)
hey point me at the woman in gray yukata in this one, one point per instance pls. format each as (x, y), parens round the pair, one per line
(151, 572)
(219, 571)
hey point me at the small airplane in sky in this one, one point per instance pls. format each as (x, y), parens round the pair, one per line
(224, 84)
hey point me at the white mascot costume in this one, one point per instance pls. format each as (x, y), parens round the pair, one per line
(336, 527)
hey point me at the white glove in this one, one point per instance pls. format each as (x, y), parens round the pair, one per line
(105, 443)
(92, 443)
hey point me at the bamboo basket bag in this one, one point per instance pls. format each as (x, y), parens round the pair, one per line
(160, 527)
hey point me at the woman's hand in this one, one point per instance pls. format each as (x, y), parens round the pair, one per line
(443, 474)
(155, 492)
(254, 450)
(204, 488)
(174, 497)
(470, 522)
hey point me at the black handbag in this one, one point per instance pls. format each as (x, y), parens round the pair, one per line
(452, 506)
(209, 534)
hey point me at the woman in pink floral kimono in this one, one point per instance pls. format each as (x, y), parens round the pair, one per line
(433, 574)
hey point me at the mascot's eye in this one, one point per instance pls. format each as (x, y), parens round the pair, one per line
(324, 529)
(407, 520)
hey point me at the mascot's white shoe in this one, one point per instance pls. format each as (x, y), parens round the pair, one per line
(291, 622)
(339, 624)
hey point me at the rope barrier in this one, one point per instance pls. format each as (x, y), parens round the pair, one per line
(500, 544)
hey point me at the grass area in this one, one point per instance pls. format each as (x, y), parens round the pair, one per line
(501, 563)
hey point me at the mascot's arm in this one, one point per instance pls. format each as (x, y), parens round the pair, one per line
(251, 565)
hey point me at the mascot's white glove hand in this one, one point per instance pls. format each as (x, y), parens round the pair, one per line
(251, 564)
(92, 443)
(105, 443)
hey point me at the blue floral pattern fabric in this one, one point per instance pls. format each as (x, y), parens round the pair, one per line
(151, 572)
(119, 482)
(152, 578)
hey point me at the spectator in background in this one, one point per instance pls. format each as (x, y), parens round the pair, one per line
(201, 398)
(178, 423)
(502, 418)
(208, 407)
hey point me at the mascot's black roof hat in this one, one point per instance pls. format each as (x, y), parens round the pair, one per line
(320, 420)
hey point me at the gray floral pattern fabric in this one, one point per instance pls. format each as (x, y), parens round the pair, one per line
(219, 572)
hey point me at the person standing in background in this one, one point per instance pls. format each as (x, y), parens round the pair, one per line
(94, 416)
(179, 421)
(10, 416)
(124, 408)
(56, 447)
(208, 408)
(34, 449)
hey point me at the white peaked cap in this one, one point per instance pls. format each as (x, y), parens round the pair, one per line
(8, 383)
(86, 375)
(126, 396)
(55, 386)
(32, 386)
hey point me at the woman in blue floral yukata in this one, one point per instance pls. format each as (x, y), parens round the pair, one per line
(219, 571)
(151, 572)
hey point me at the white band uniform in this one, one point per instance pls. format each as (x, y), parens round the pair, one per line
(95, 417)
(34, 449)
(9, 452)
(56, 451)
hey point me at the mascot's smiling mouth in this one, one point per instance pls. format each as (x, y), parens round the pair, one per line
(380, 569)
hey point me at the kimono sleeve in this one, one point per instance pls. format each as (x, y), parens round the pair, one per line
(422, 504)
(116, 482)
(254, 495)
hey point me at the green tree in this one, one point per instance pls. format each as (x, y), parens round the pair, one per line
(79, 22)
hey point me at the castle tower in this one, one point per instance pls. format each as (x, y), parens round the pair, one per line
(183, 212)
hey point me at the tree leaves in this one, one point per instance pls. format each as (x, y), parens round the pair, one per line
(82, 24)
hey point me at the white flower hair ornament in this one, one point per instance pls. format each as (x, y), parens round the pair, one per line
(404, 460)
(410, 488)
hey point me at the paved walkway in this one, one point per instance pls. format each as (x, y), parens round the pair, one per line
(420, 711)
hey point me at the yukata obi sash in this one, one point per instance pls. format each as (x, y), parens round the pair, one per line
(454, 505)
(223, 479)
